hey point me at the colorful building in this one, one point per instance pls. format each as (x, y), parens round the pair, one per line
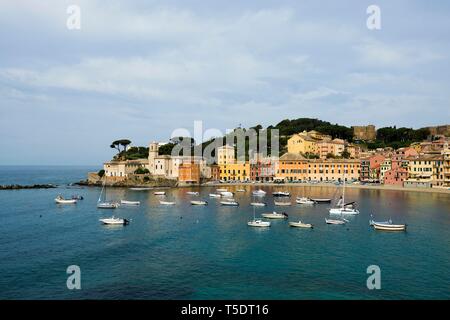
(396, 176)
(292, 167)
(235, 172)
(262, 168)
(301, 144)
(334, 170)
(425, 171)
(189, 173)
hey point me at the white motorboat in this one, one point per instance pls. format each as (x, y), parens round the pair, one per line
(140, 189)
(281, 194)
(259, 193)
(214, 195)
(389, 226)
(167, 203)
(333, 221)
(159, 193)
(199, 203)
(282, 203)
(258, 223)
(226, 194)
(230, 202)
(275, 215)
(344, 211)
(130, 203)
(300, 224)
(114, 221)
(304, 200)
(258, 204)
(107, 205)
(60, 200)
(192, 193)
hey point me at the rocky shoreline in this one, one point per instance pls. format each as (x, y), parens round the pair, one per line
(21, 187)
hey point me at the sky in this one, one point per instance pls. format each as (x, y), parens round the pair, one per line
(142, 69)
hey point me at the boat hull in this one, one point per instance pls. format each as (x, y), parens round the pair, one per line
(258, 224)
(389, 227)
(63, 201)
(300, 225)
(130, 203)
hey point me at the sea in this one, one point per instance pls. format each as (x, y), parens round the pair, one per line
(209, 252)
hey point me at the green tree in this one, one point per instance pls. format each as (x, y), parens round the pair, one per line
(101, 173)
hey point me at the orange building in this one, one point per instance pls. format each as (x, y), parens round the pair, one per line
(189, 173)
(292, 167)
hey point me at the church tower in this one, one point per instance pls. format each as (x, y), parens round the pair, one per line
(153, 151)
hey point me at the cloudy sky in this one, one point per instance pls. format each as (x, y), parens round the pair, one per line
(140, 69)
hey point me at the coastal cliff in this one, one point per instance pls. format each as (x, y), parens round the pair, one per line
(133, 180)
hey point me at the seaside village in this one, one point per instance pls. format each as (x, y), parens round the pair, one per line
(311, 157)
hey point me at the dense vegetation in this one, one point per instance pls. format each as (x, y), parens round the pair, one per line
(386, 137)
(398, 138)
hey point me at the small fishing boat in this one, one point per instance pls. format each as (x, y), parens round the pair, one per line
(240, 190)
(321, 200)
(281, 194)
(167, 203)
(389, 226)
(214, 195)
(114, 221)
(300, 224)
(77, 197)
(192, 193)
(230, 202)
(282, 203)
(130, 203)
(333, 221)
(304, 200)
(159, 193)
(258, 223)
(199, 203)
(275, 215)
(60, 200)
(226, 194)
(140, 189)
(258, 204)
(259, 193)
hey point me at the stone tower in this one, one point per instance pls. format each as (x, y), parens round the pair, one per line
(153, 151)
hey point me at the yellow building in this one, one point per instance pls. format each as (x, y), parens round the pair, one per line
(333, 169)
(234, 171)
(334, 147)
(301, 143)
(425, 171)
(447, 165)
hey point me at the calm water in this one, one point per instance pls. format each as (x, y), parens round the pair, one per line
(190, 252)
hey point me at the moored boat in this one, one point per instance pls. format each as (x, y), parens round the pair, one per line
(130, 203)
(107, 205)
(258, 204)
(258, 223)
(226, 194)
(140, 188)
(214, 195)
(321, 200)
(304, 200)
(199, 203)
(300, 224)
(159, 193)
(259, 193)
(282, 203)
(275, 215)
(334, 221)
(221, 190)
(114, 221)
(240, 190)
(192, 193)
(229, 203)
(281, 194)
(60, 200)
(167, 203)
(389, 226)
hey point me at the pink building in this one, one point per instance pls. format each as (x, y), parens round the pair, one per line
(395, 176)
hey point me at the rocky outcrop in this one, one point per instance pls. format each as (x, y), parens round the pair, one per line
(19, 187)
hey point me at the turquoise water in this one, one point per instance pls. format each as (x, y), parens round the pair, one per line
(191, 252)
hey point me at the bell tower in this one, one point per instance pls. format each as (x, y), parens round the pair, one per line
(153, 151)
